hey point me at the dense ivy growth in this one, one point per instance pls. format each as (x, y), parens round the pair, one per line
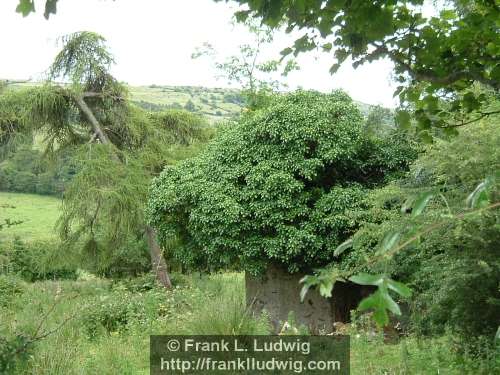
(280, 186)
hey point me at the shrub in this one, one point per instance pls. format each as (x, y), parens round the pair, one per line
(454, 270)
(282, 186)
(36, 260)
(10, 287)
(13, 350)
(115, 311)
(109, 313)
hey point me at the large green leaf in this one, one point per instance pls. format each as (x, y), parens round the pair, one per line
(343, 247)
(390, 240)
(399, 288)
(367, 279)
(420, 203)
(389, 303)
(50, 8)
(479, 197)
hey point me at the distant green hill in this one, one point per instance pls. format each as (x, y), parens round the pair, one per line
(214, 103)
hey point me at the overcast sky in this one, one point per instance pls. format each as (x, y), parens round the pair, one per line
(152, 41)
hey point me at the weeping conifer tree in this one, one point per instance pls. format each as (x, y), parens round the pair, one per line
(117, 147)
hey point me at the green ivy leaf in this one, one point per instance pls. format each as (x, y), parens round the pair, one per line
(25, 7)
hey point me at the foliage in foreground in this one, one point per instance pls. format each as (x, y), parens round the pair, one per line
(448, 253)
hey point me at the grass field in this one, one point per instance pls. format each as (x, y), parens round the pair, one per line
(38, 215)
(103, 326)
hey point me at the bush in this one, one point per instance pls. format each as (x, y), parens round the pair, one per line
(36, 260)
(10, 287)
(281, 186)
(115, 311)
(454, 270)
(109, 313)
(14, 349)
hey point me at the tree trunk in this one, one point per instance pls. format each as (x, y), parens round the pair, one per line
(157, 259)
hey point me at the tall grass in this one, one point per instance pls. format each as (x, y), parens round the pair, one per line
(199, 305)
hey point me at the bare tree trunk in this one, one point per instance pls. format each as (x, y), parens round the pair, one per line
(157, 259)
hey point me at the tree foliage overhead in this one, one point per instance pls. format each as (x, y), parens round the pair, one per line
(85, 60)
(454, 269)
(437, 58)
(278, 187)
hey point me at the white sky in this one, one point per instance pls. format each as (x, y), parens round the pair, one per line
(152, 41)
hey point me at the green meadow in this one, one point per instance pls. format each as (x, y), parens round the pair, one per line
(37, 213)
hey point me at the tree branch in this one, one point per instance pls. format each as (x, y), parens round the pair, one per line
(427, 75)
(415, 237)
(91, 94)
(80, 102)
(480, 117)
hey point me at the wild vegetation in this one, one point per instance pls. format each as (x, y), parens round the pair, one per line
(147, 208)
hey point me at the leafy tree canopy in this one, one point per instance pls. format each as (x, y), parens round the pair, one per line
(280, 186)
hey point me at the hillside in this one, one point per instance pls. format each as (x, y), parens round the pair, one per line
(214, 103)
